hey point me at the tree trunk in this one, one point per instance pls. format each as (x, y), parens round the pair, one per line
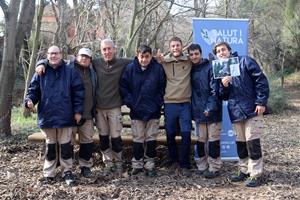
(15, 31)
(33, 57)
(8, 69)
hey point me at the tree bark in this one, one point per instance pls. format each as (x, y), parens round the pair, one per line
(15, 31)
(8, 69)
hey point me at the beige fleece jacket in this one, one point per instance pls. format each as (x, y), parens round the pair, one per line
(178, 89)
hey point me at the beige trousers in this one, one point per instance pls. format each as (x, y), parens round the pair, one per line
(247, 130)
(109, 123)
(85, 135)
(57, 136)
(143, 132)
(209, 132)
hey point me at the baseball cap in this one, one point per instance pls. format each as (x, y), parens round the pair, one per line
(85, 51)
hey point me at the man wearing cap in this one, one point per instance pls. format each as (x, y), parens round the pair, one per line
(59, 93)
(85, 127)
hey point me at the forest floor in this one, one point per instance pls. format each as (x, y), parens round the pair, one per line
(21, 170)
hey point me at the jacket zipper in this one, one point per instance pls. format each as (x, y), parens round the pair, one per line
(173, 69)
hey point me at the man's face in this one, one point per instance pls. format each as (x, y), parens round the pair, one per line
(83, 60)
(176, 48)
(144, 59)
(54, 55)
(195, 56)
(108, 51)
(222, 52)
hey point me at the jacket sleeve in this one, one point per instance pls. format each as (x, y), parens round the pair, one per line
(260, 82)
(223, 91)
(41, 62)
(212, 101)
(77, 88)
(33, 92)
(162, 85)
(125, 89)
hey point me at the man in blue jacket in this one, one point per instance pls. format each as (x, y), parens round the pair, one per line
(247, 97)
(142, 87)
(59, 94)
(206, 112)
(85, 127)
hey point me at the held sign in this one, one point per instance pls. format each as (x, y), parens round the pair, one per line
(207, 32)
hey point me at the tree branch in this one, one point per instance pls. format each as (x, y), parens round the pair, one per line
(4, 7)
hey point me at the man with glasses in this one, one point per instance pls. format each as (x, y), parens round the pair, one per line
(59, 93)
(85, 127)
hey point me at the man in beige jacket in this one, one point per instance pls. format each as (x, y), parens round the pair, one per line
(177, 105)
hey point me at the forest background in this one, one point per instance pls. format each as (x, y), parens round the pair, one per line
(29, 27)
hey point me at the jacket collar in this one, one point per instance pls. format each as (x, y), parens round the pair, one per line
(169, 58)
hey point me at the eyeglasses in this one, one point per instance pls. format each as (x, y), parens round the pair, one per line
(53, 53)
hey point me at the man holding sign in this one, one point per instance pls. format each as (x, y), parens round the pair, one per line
(247, 97)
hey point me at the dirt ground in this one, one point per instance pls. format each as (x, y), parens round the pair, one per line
(21, 171)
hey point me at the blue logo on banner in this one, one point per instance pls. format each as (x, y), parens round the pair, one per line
(207, 32)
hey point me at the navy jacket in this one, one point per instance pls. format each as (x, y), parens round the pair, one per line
(60, 94)
(205, 94)
(143, 91)
(92, 75)
(246, 91)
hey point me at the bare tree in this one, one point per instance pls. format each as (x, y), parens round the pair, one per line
(34, 51)
(13, 28)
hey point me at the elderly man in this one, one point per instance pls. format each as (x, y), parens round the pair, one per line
(108, 106)
(59, 94)
(85, 127)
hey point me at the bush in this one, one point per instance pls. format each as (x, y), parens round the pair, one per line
(20, 124)
(278, 100)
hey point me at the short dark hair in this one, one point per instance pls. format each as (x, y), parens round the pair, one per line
(144, 49)
(193, 47)
(219, 44)
(175, 38)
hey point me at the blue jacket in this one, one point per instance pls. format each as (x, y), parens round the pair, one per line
(143, 91)
(92, 76)
(246, 91)
(205, 90)
(60, 94)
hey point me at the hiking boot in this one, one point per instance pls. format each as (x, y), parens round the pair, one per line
(86, 172)
(151, 172)
(69, 178)
(252, 182)
(211, 174)
(136, 171)
(186, 172)
(48, 180)
(240, 176)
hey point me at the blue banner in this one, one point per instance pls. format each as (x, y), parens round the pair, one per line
(207, 32)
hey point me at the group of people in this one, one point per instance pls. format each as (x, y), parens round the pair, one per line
(72, 96)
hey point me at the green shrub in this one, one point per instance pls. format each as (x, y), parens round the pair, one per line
(21, 124)
(278, 99)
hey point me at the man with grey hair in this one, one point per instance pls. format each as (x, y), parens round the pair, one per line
(108, 106)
